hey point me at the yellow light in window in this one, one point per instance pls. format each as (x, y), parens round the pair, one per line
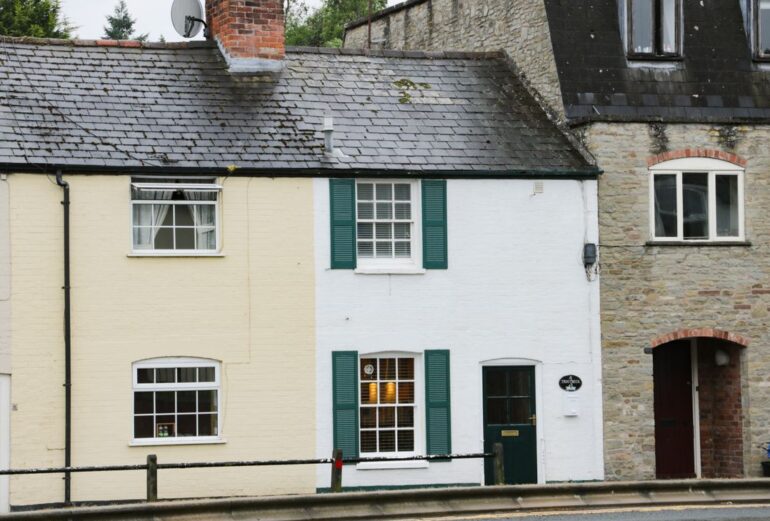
(390, 392)
(372, 392)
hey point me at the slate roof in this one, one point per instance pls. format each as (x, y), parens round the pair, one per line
(175, 106)
(717, 80)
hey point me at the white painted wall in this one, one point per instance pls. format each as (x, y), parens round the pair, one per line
(516, 292)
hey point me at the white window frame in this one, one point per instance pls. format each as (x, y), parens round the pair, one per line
(654, 55)
(712, 167)
(213, 186)
(419, 412)
(412, 264)
(167, 362)
(756, 29)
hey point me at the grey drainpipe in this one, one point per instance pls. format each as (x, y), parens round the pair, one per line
(67, 342)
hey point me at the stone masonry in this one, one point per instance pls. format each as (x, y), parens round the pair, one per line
(519, 27)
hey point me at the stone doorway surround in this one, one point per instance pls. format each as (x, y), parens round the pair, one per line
(717, 399)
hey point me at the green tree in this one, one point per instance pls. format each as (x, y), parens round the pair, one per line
(120, 25)
(325, 26)
(36, 18)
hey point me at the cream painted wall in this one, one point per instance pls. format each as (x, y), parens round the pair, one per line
(5, 280)
(252, 309)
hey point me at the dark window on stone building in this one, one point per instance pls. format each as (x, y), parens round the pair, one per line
(762, 28)
(654, 28)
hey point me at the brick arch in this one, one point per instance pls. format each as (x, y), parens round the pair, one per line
(697, 152)
(706, 332)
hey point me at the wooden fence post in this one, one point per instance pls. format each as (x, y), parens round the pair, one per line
(337, 470)
(499, 465)
(152, 477)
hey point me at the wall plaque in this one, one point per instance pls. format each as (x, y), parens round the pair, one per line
(570, 383)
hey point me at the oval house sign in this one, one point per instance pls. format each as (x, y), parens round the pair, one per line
(570, 383)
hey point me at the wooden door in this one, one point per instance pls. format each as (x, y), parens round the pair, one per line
(674, 444)
(509, 417)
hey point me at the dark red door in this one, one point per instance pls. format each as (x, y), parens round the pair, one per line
(672, 376)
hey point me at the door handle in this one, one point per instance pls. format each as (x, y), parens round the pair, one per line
(533, 419)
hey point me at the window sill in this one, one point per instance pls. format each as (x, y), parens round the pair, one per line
(173, 254)
(386, 465)
(176, 441)
(394, 270)
(722, 244)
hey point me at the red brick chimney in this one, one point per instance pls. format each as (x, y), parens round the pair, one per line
(250, 33)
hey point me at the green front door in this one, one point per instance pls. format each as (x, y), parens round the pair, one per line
(509, 417)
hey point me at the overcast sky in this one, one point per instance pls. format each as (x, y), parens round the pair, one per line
(152, 16)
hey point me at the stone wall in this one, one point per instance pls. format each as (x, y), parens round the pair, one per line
(519, 27)
(649, 291)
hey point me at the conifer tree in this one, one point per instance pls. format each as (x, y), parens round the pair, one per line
(120, 25)
(36, 18)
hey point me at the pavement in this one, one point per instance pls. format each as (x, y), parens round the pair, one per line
(716, 513)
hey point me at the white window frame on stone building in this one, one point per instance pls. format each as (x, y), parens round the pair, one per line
(177, 375)
(706, 178)
(159, 204)
(366, 222)
(662, 45)
(761, 28)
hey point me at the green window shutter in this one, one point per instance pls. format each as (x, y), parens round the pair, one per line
(345, 394)
(438, 414)
(343, 223)
(434, 227)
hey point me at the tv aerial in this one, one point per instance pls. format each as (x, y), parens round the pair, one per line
(187, 18)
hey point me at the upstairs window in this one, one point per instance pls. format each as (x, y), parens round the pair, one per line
(385, 221)
(174, 215)
(654, 28)
(762, 28)
(697, 200)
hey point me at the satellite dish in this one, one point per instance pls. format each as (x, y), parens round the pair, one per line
(187, 17)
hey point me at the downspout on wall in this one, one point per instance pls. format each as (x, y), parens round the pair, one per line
(67, 343)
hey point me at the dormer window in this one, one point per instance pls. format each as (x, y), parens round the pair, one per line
(654, 28)
(762, 28)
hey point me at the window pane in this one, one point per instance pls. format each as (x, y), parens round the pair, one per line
(387, 416)
(384, 249)
(727, 206)
(406, 392)
(366, 210)
(365, 231)
(668, 21)
(496, 382)
(186, 425)
(368, 417)
(165, 375)
(365, 192)
(165, 426)
(207, 425)
(145, 376)
(142, 238)
(406, 417)
(764, 27)
(142, 215)
(402, 231)
(369, 441)
(144, 427)
(665, 206)
(520, 412)
(205, 374)
(162, 215)
(403, 192)
(185, 239)
(164, 238)
(403, 249)
(143, 403)
(207, 239)
(496, 411)
(406, 368)
(384, 192)
(207, 401)
(388, 392)
(384, 231)
(368, 369)
(642, 19)
(384, 211)
(520, 383)
(387, 368)
(185, 401)
(406, 441)
(369, 393)
(204, 215)
(164, 401)
(695, 206)
(403, 211)
(186, 374)
(366, 249)
(184, 215)
(387, 441)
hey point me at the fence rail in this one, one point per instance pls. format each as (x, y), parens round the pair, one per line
(337, 462)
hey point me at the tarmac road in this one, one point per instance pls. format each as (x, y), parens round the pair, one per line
(717, 513)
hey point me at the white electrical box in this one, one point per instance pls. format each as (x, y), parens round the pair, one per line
(571, 405)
